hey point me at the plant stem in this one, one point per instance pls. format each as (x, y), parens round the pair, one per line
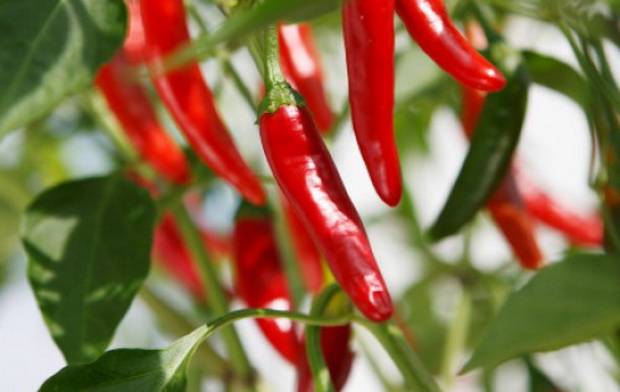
(320, 373)
(224, 60)
(176, 324)
(455, 341)
(216, 296)
(417, 377)
(273, 73)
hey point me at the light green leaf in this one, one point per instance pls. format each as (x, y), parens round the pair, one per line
(131, 370)
(567, 303)
(50, 49)
(88, 244)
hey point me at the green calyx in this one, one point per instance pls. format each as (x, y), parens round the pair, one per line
(250, 211)
(279, 94)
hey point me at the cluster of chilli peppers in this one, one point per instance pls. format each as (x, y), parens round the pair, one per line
(322, 220)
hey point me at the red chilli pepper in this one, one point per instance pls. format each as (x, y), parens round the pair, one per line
(578, 228)
(511, 217)
(170, 251)
(189, 100)
(430, 26)
(307, 253)
(302, 67)
(338, 358)
(259, 278)
(368, 27)
(310, 181)
(130, 104)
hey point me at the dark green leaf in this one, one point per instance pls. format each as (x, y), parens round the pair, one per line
(88, 244)
(567, 303)
(131, 370)
(493, 144)
(50, 49)
(556, 75)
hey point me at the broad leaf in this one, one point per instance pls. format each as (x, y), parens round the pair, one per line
(567, 303)
(131, 370)
(50, 49)
(88, 244)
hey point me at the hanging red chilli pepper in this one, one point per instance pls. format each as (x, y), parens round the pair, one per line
(368, 27)
(505, 206)
(308, 178)
(578, 228)
(302, 67)
(189, 100)
(306, 251)
(170, 251)
(430, 26)
(130, 104)
(260, 280)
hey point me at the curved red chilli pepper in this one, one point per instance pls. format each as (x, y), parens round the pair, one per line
(510, 215)
(368, 27)
(430, 26)
(579, 229)
(338, 358)
(310, 181)
(170, 251)
(260, 280)
(307, 253)
(302, 67)
(131, 106)
(189, 100)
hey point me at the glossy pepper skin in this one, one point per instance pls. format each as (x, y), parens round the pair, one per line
(260, 280)
(430, 26)
(170, 251)
(309, 179)
(302, 67)
(368, 27)
(306, 251)
(130, 104)
(338, 357)
(189, 100)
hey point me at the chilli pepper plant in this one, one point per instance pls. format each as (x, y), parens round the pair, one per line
(298, 181)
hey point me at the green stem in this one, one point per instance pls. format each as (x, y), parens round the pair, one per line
(273, 72)
(175, 323)
(320, 374)
(224, 60)
(216, 296)
(417, 377)
(456, 339)
(291, 264)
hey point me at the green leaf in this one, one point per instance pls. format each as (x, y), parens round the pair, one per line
(88, 244)
(50, 49)
(493, 144)
(566, 303)
(131, 370)
(557, 75)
